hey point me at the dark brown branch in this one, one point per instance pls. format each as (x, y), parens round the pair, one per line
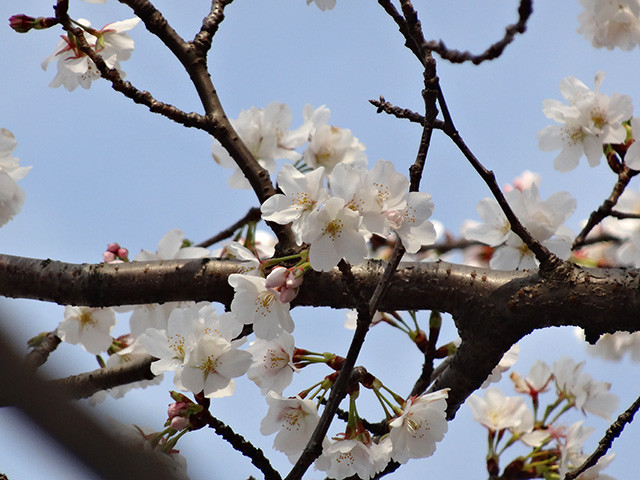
(513, 304)
(215, 122)
(542, 254)
(86, 384)
(403, 113)
(494, 51)
(605, 443)
(210, 25)
(253, 215)
(40, 353)
(606, 209)
(240, 444)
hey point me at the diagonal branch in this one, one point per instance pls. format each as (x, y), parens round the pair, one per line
(605, 443)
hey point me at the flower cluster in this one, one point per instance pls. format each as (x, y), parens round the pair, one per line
(199, 347)
(76, 68)
(267, 135)
(611, 23)
(11, 195)
(590, 121)
(553, 450)
(337, 219)
(543, 219)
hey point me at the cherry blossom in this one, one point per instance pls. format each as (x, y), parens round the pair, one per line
(331, 145)
(293, 418)
(266, 134)
(572, 455)
(334, 235)
(536, 382)
(75, 68)
(614, 346)
(423, 423)
(496, 411)
(584, 392)
(212, 364)
(11, 194)
(254, 303)
(592, 120)
(90, 327)
(272, 367)
(611, 23)
(543, 219)
(345, 458)
(303, 194)
(171, 247)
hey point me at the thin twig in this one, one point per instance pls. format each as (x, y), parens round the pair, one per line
(253, 215)
(494, 51)
(605, 443)
(240, 444)
(606, 209)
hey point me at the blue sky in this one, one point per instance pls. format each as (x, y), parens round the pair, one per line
(107, 170)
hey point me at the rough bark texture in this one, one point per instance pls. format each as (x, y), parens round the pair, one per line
(491, 309)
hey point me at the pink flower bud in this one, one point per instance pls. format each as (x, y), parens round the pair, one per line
(178, 409)
(109, 256)
(295, 278)
(277, 277)
(288, 294)
(23, 23)
(122, 253)
(179, 423)
(113, 248)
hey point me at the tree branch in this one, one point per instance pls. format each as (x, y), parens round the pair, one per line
(605, 443)
(494, 51)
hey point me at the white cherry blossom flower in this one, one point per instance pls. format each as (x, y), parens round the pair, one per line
(11, 194)
(293, 418)
(580, 388)
(266, 134)
(170, 247)
(272, 367)
(611, 23)
(333, 235)
(572, 455)
(212, 364)
(614, 346)
(537, 381)
(303, 194)
(331, 145)
(345, 458)
(254, 303)
(90, 327)
(592, 120)
(543, 219)
(496, 411)
(423, 423)
(411, 223)
(75, 68)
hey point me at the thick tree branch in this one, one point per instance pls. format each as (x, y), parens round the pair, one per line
(511, 304)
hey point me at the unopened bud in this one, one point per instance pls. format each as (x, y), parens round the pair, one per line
(23, 23)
